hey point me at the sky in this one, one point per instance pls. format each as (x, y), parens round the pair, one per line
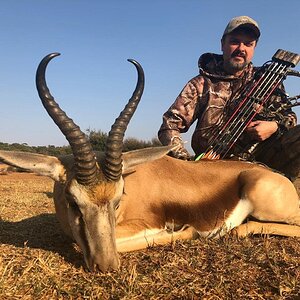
(92, 80)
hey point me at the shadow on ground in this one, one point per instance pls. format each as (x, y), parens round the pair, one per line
(40, 232)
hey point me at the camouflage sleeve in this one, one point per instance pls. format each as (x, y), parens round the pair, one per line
(182, 113)
(280, 111)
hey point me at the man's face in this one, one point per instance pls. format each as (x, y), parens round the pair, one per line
(238, 50)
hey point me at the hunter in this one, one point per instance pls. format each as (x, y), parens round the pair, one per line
(207, 96)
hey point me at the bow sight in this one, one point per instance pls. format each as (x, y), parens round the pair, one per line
(255, 96)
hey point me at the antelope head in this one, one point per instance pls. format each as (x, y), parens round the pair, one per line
(94, 188)
(88, 188)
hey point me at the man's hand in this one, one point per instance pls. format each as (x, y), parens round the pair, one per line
(179, 152)
(261, 130)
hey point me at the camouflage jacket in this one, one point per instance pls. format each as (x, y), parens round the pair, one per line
(204, 99)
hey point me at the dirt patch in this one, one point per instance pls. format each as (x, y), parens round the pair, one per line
(38, 262)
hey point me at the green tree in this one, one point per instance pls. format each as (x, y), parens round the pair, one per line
(97, 139)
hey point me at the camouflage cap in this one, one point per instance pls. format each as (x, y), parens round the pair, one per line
(242, 21)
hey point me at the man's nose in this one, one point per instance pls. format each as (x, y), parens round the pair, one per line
(242, 47)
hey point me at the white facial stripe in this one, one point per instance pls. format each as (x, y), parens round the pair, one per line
(119, 190)
(79, 193)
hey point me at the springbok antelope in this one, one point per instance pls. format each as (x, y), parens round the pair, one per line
(114, 202)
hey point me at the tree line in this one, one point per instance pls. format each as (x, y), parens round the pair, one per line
(97, 139)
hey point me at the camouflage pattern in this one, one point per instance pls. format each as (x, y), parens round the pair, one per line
(205, 98)
(281, 152)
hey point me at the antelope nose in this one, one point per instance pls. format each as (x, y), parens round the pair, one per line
(105, 264)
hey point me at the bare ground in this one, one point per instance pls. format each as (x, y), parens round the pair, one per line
(38, 262)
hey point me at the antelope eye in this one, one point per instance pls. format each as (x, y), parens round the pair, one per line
(69, 198)
(71, 202)
(75, 209)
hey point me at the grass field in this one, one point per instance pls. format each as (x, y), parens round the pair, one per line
(38, 262)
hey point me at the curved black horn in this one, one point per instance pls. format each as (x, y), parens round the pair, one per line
(85, 161)
(114, 144)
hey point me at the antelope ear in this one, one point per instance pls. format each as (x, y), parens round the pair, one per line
(137, 157)
(41, 164)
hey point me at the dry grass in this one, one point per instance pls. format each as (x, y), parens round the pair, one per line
(38, 262)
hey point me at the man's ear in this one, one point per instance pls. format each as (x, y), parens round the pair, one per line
(222, 43)
(137, 157)
(40, 164)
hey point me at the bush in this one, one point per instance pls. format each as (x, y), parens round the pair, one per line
(97, 140)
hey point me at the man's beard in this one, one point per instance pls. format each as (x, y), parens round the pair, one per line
(232, 66)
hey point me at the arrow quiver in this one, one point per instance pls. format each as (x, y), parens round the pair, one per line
(255, 96)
